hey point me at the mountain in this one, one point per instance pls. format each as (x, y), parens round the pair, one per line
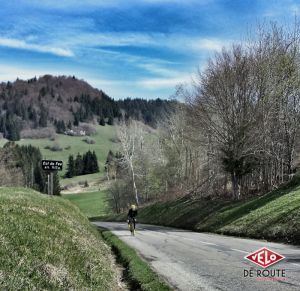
(62, 102)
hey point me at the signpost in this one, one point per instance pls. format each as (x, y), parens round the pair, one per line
(51, 166)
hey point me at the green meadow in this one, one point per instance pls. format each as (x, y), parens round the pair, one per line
(103, 143)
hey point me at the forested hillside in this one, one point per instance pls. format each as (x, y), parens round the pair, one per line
(62, 103)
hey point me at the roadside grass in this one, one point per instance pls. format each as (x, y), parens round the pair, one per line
(274, 216)
(46, 243)
(103, 143)
(91, 203)
(138, 273)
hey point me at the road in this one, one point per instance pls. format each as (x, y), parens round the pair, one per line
(202, 261)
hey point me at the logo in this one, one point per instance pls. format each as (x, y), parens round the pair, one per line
(264, 257)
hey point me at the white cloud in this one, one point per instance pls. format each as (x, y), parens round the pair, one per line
(20, 44)
(175, 42)
(162, 83)
(208, 44)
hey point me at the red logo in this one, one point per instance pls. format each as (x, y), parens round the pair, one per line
(264, 257)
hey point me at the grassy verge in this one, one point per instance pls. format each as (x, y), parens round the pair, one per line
(91, 203)
(274, 216)
(138, 273)
(46, 243)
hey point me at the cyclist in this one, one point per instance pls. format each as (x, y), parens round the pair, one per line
(132, 213)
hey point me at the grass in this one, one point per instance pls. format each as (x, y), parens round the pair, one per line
(46, 243)
(91, 203)
(102, 145)
(274, 216)
(138, 272)
(90, 178)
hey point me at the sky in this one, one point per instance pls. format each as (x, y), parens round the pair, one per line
(133, 48)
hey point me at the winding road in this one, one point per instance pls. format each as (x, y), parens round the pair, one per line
(201, 261)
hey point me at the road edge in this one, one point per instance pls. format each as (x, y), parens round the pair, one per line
(137, 272)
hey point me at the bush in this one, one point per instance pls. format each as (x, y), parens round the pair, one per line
(115, 139)
(54, 148)
(89, 129)
(89, 140)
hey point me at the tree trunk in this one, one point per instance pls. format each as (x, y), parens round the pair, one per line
(235, 186)
(134, 185)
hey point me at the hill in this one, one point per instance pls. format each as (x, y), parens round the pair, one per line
(46, 243)
(274, 216)
(63, 103)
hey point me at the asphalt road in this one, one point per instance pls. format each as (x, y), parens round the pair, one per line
(201, 261)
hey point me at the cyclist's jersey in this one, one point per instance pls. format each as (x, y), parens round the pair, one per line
(132, 213)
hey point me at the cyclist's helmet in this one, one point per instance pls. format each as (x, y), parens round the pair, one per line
(133, 207)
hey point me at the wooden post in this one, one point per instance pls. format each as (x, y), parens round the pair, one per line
(51, 176)
(48, 184)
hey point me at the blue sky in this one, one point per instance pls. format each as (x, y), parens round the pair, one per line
(133, 48)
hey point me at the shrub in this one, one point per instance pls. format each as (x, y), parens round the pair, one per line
(88, 128)
(89, 140)
(54, 148)
(115, 139)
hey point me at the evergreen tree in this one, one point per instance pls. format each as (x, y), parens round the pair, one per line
(86, 163)
(70, 125)
(43, 118)
(79, 165)
(95, 166)
(102, 121)
(70, 167)
(110, 120)
(56, 186)
(76, 119)
(60, 126)
(12, 128)
(39, 180)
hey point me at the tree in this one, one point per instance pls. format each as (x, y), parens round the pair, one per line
(43, 117)
(131, 138)
(110, 120)
(12, 131)
(79, 165)
(76, 120)
(60, 126)
(95, 167)
(102, 121)
(70, 167)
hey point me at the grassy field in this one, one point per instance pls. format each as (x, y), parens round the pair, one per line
(274, 216)
(48, 244)
(96, 178)
(91, 203)
(102, 145)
